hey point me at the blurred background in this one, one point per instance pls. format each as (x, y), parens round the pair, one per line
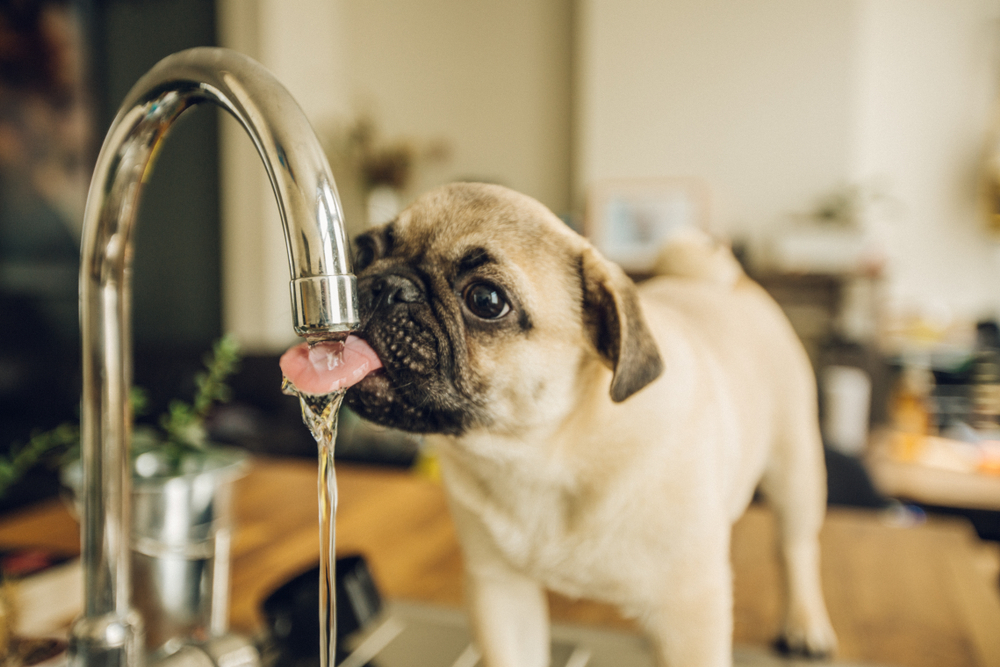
(848, 150)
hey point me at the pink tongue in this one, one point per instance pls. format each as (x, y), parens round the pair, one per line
(329, 366)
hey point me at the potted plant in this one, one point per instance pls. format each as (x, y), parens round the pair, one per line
(181, 505)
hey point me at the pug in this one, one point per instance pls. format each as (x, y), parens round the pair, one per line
(596, 438)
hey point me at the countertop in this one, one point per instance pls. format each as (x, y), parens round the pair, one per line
(924, 595)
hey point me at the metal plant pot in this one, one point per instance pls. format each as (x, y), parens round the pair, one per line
(181, 535)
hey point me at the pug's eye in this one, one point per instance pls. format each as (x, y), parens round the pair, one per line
(364, 256)
(486, 301)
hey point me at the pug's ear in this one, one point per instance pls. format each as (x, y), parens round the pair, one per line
(614, 321)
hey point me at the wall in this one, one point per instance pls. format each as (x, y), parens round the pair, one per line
(927, 96)
(492, 78)
(778, 102)
(753, 96)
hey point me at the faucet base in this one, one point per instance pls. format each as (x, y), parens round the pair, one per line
(223, 651)
(107, 641)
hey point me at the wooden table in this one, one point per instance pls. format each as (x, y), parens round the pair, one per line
(909, 596)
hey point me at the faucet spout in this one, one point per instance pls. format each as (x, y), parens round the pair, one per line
(323, 294)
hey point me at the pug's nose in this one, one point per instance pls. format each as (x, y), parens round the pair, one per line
(394, 289)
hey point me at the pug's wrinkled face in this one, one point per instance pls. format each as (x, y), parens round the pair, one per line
(472, 299)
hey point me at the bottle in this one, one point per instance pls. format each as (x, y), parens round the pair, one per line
(984, 390)
(910, 411)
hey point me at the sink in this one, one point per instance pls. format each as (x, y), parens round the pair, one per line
(411, 633)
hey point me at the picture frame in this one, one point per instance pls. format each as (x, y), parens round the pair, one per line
(628, 220)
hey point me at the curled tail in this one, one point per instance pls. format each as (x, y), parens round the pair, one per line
(693, 254)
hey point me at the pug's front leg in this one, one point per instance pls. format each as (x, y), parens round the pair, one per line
(692, 623)
(509, 618)
(509, 611)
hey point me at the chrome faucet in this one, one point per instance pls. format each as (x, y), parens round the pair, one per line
(324, 297)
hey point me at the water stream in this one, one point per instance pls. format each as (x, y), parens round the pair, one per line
(320, 413)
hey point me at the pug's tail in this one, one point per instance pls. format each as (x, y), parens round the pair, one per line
(694, 254)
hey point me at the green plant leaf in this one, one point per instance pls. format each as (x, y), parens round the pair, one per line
(182, 426)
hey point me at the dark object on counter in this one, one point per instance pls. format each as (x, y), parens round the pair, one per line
(292, 611)
(28, 651)
(984, 391)
(985, 522)
(848, 483)
(987, 335)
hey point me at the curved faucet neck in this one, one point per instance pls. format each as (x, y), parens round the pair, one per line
(324, 298)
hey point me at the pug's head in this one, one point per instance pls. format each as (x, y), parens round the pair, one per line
(486, 310)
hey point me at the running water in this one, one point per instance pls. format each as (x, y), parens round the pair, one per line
(320, 413)
(321, 372)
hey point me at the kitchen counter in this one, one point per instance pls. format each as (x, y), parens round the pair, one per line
(917, 595)
(944, 479)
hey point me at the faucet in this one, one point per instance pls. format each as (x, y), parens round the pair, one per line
(109, 633)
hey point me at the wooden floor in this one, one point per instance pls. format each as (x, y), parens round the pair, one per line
(922, 596)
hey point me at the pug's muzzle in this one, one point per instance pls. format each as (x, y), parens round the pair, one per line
(417, 389)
